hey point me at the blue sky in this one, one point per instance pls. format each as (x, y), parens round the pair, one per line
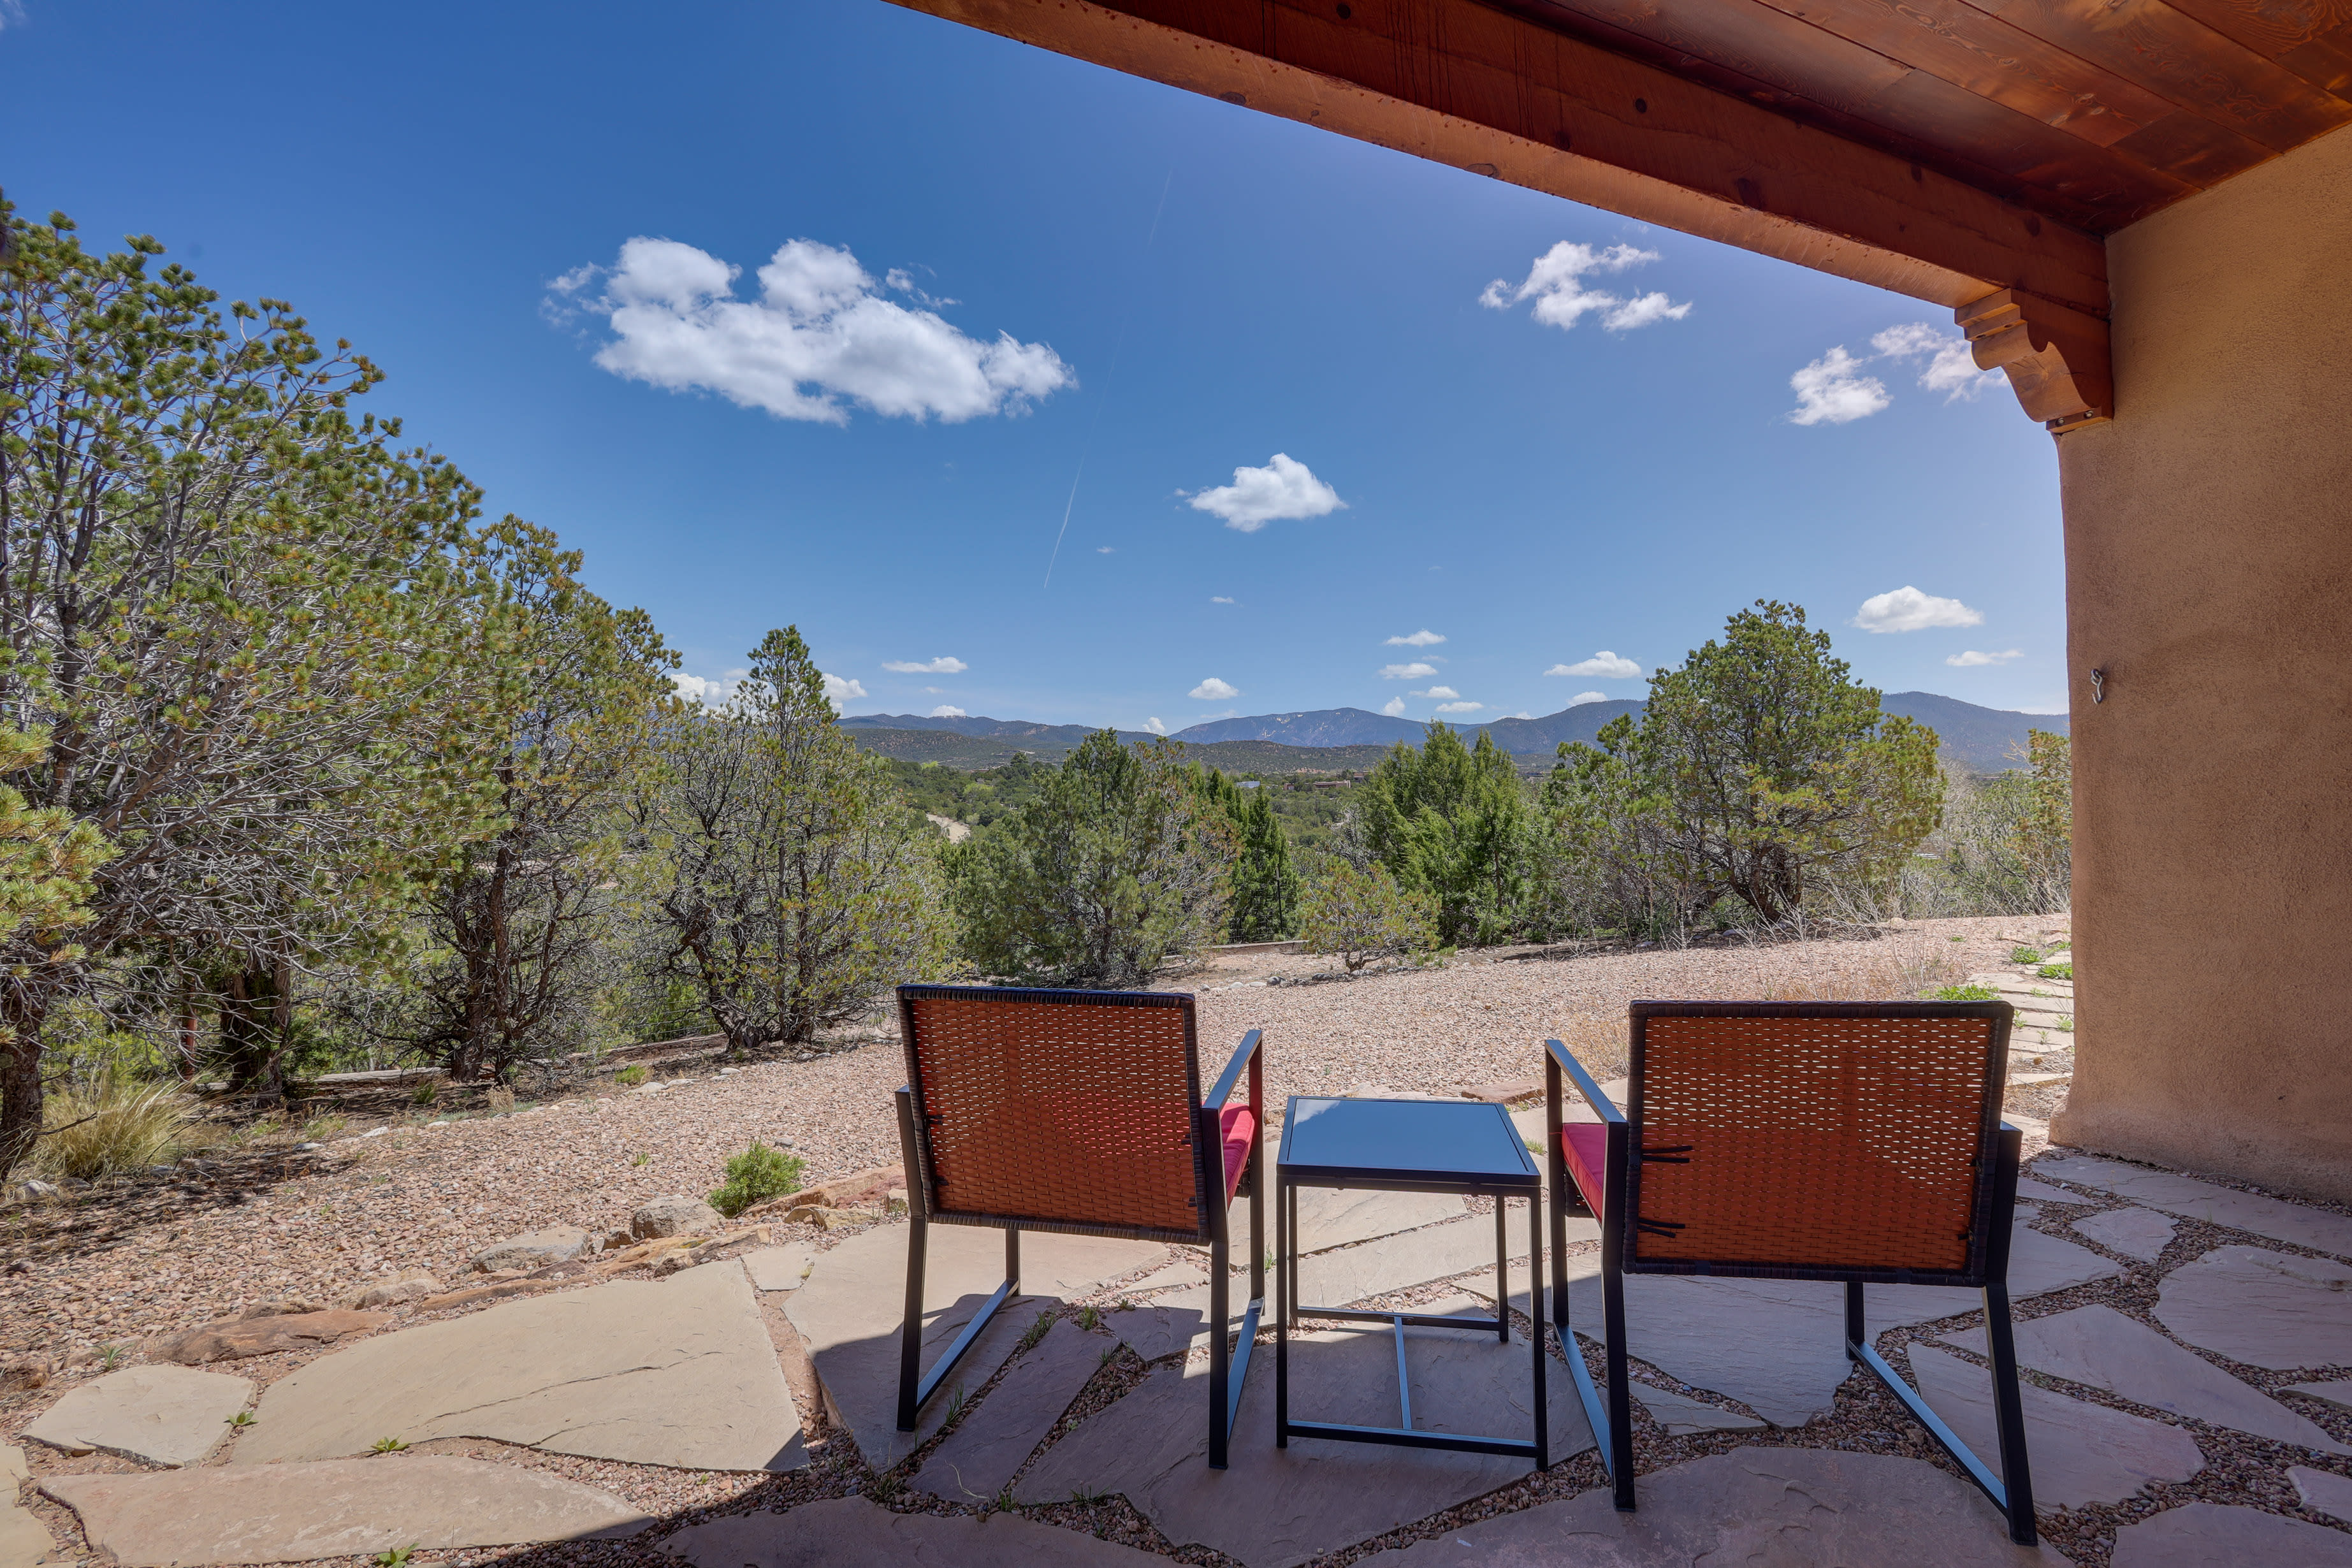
(1150, 291)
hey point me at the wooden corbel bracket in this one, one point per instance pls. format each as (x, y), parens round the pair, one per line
(2056, 357)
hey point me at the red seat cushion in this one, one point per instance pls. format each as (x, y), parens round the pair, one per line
(1586, 1145)
(1239, 1126)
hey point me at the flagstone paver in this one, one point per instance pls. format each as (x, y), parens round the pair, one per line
(678, 1371)
(2100, 1348)
(1398, 1262)
(851, 1532)
(2210, 1535)
(981, 1455)
(1680, 1415)
(165, 1414)
(1173, 1276)
(2334, 1393)
(284, 1514)
(2263, 1307)
(2323, 1491)
(2143, 1234)
(2281, 1221)
(848, 1312)
(778, 1267)
(2042, 1191)
(2080, 1453)
(1331, 1216)
(25, 1541)
(1780, 1507)
(1281, 1506)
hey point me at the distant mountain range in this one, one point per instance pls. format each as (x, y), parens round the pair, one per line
(1978, 739)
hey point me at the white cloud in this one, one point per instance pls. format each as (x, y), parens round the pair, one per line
(1219, 599)
(1521, 714)
(945, 710)
(1972, 659)
(1421, 638)
(1213, 691)
(1951, 368)
(1906, 609)
(1414, 672)
(1444, 693)
(1459, 707)
(1104, 549)
(1394, 707)
(819, 334)
(941, 666)
(710, 691)
(1604, 664)
(1556, 283)
(836, 690)
(1155, 726)
(1582, 698)
(1833, 391)
(1283, 488)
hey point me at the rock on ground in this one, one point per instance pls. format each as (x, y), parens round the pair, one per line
(245, 1337)
(2078, 1453)
(673, 1215)
(280, 1514)
(25, 1541)
(2210, 1535)
(533, 1250)
(678, 1372)
(408, 1285)
(851, 1532)
(1778, 1506)
(2266, 1309)
(993, 1440)
(163, 1415)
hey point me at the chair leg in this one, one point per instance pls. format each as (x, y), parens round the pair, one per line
(1857, 1327)
(2008, 1416)
(1621, 1394)
(1536, 1322)
(910, 1334)
(1219, 1355)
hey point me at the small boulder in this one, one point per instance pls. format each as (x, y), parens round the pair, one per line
(282, 1307)
(409, 1285)
(672, 1216)
(556, 1244)
(241, 1337)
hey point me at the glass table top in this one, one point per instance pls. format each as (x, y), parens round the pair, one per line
(1455, 1138)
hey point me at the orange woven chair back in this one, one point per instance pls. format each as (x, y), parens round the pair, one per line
(1068, 1108)
(1814, 1135)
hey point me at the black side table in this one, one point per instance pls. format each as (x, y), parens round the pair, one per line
(1403, 1146)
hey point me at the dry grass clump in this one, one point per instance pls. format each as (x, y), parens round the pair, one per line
(1894, 971)
(1599, 1041)
(112, 1129)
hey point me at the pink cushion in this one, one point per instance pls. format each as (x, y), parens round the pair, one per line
(1586, 1145)
(1239, 1126)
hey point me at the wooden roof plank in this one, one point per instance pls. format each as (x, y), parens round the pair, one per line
(2174, 54)
(2312, 38)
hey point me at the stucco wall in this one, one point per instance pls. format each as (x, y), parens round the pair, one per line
(2208, 572)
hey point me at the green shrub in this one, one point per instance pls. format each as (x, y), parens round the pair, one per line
(1964, 993)
(113, 1128)
(634, 1075)
(2025, 955)
(1364, 915)
(758, 1172)
(2056, 970)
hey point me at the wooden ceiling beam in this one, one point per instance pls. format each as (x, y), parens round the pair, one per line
(1496, 93)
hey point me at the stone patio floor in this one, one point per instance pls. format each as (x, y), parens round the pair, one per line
(2188, 1348)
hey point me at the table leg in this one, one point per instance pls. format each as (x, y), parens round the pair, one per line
(1535, 1321)
(1284, 1218)
(1502, 1274)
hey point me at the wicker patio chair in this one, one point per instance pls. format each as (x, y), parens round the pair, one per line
(1078, 1111)
(1859, 1141)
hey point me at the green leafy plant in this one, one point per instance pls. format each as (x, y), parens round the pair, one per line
(887, 1489)
(1964, 993)
(387, 1446)
(957, 1400)
(2056, 970)
(1089, 1319)
(631, 1076)
(757, 1173)
(396, 1558)
(109, 1356)
(1360, 916)
(2025, 955)
(642, 1159)
(2065, 1022)
(243, 1418)
(1036, 1330)
(427, 1092)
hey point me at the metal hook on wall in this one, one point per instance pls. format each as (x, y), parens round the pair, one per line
(2098, 686)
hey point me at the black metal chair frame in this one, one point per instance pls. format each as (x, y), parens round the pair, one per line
(2012, 1490)
(1228, 1371)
